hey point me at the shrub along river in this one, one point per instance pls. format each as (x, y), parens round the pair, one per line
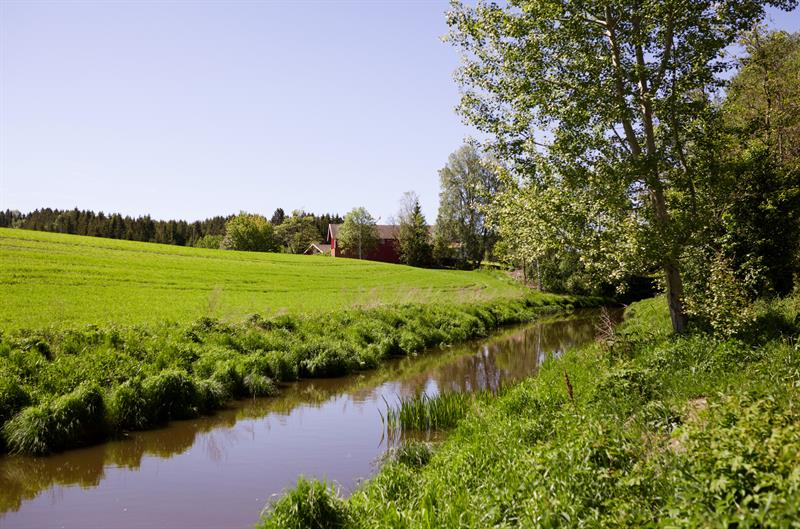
(220, 471)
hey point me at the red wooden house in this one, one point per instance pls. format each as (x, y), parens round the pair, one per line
(387, 249)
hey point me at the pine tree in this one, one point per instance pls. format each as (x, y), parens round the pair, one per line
(414, 237)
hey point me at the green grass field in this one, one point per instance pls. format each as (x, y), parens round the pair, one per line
(49, 279)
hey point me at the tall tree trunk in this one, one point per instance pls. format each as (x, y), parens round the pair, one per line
(672, 274)
(675, 295)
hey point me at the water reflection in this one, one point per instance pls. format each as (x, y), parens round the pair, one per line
(219, 471)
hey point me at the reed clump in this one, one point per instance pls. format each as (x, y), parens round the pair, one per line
(426, 413)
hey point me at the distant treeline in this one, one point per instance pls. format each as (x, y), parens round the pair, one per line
(144, 229)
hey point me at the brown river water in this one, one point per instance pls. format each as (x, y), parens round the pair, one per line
(219, 472)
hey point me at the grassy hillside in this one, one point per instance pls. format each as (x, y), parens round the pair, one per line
(648, 430)
(54, 279)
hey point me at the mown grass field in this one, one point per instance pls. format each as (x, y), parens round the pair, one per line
(49, 279)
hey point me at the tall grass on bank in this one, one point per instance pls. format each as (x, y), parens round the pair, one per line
(664, 431)
(145, 376)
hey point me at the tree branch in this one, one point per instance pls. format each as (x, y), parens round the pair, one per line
(665, 58)
(630, 134)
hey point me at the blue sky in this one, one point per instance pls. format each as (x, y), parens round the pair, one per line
(193, 109)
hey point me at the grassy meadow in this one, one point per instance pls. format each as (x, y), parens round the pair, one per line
(51, 279)
(643, 429)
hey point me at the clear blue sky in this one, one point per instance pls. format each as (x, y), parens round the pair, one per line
(193, 109)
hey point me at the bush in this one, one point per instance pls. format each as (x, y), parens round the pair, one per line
(281, 366)
(209, 241)
(743, 464)
(155, 374)
(326, 360)
(230, 378)
(718, 300)
(249, 232)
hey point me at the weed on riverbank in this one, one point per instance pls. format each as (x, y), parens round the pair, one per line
(664, 431)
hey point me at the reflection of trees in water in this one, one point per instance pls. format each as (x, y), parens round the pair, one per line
(505, 359)
(22, 478)
(470, 367)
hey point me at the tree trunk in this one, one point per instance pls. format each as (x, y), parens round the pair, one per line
(672, 274)
(675, 295)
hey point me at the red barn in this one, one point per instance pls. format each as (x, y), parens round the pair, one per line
(387, 249)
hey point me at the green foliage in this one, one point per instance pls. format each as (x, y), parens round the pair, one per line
(115, 226)
(171, 394)
(414, 236)
(13, 396)
(298, 232)
(309, 505)
(742, 455)
(251, 233)
(209, 241)
(718, 299)
(763, 99)
(625, 91)
(259, 385)
(128, 409)
(463, 236)
(426, 413)
(358, 234)
(413, 454)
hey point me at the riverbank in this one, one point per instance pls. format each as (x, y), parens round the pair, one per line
(62, 388)
(644, 429)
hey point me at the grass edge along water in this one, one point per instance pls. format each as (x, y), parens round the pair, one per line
(63, 388)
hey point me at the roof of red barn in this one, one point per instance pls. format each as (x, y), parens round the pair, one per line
(320, 248)
(385, 231)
